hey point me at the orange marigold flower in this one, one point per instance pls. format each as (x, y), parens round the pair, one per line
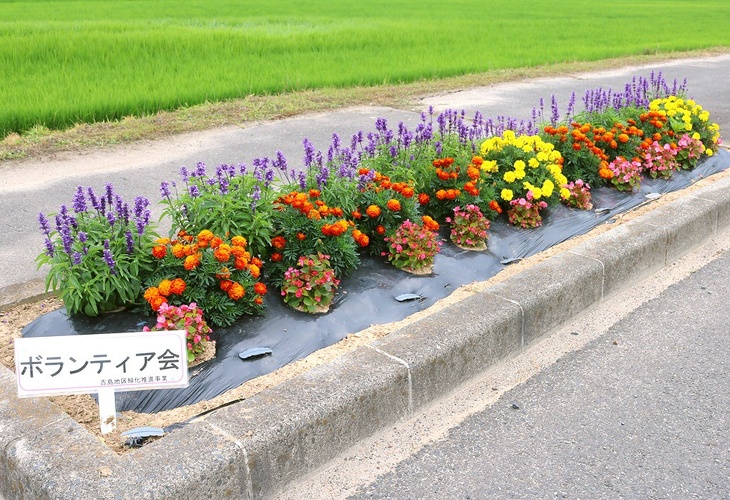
(301, 236)
(178, 286)
(226, 285)
(314, 215)
(495, 206)
(314, 193)
(258, 301)
(162, 241)
(363, 240)
(356, 215)
(191, 262)
(393, 205)
(178, 250)
(159, 251)
(156, 302)
(260, 288)
(623, 138)
(239, 241)
(441, 194)
(236, 291)
(380, 229)
(605, 173)
(165, 287)
(423, 198)
(429, 223)
(216, 242)
(473, 173)
(254, 270)
(240, 264)
(276, 257)
(205, 236)
(278, 242)
(477, 160)
(222, 255)
(151, 293)
(373, 211)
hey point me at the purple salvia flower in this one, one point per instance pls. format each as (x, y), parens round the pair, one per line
(211, 181)
(130, 241)
(44, 224)
(255, 197)
(109, 193)
(200, 169)
(94, 200)
(336, 141)
(66, 238)
(308, 153)
(242, 169)
(302, 180)
(109, 257)
(223, 185)
(322, 177)
(193, 191)
(269, 177)
(76, 258)
(280, 162)
(111, 218)
(184, 174)
(49, 247)
(555, 115)
(393, 151)
(381, 125)
(165, 189)
(79, 200)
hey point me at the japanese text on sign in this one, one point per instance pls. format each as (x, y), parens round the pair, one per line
(86, 363)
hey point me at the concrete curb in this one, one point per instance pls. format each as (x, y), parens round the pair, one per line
(254, 448)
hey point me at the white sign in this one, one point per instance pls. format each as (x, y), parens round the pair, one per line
(78, 364)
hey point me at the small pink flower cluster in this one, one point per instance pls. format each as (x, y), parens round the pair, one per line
(580, 195)
(689, 152)
(188, 318)
(626, 174)
(311, 285)
(412, 247)
(469, 226)
(660, 160)
(526, 212)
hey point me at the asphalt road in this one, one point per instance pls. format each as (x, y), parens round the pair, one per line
(641, 412)
(29, 187)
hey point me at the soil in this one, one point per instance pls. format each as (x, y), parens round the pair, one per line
(83, 409)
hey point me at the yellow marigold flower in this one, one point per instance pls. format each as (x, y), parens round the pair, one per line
(554, 155)
(519, 174)
(508, 135)
(547, 187)
(564, 193)
(490, 166)
(542, 156)
(527, 149)
(695, 136)
(709, 152)
(536, 193)
(519, 165)
(533, 162)
(509, 176)
(704, 116)
(507, 194)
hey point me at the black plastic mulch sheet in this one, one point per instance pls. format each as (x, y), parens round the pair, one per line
(365, 298)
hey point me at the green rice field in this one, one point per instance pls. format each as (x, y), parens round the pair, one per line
(66, 62)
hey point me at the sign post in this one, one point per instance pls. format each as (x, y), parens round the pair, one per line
(102, 364)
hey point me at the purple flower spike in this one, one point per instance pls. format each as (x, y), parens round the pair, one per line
(165, 189)
(76, 258)
(49, 247)
(109, 257)
(79, 200)
(109, 193)
(194, 191)
(44, 224)
(184, 174)
(93, 198)
(130, 241)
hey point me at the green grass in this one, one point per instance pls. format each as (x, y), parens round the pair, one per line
(69, 62)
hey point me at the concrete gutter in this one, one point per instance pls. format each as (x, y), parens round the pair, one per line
(254, 448)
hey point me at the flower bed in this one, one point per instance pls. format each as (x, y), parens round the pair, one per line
(367, 201)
